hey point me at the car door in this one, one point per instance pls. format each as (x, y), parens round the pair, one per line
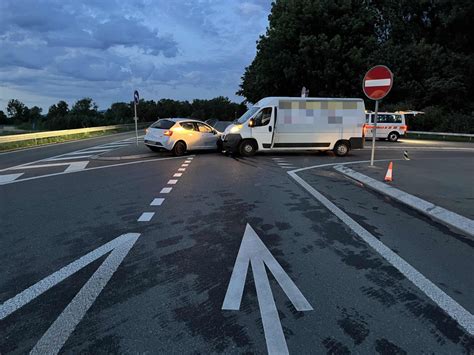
(262, 130)
(189, 134)
(207, 136)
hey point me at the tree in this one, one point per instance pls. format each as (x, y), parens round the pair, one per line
(17, 111)
(85, 107)
(61, 109)
(3, 118)
(119, 112)
(328, 45)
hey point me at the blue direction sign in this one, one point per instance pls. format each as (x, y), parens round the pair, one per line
(136, 96)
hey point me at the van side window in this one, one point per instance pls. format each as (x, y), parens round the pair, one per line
(263, 117)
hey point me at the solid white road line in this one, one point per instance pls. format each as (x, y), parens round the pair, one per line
(90, 169)
(438, 296)
(172, 182)
(68, 157)
(146, 217)
(26, 296)
(56, 336)
(166, 190)
(157, 201)
(287, 167)
(182, 169)
(178, 175)
(5, 179)
(88, 151)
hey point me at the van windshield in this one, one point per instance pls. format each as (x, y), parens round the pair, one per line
(248, 114)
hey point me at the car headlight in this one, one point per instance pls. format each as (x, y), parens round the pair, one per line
(235, 128)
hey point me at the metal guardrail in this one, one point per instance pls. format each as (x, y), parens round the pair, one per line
(65, 132)
(443, 134)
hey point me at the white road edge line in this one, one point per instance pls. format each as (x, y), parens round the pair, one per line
(146, 217)
(438, 296)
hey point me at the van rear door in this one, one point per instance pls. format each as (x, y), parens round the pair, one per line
(264, 126)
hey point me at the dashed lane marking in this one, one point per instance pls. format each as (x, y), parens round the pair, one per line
(146, 217)
(157, 201)
(178, 175)
(182, 169)
(166, 190)
(185, 165)
(172, 182)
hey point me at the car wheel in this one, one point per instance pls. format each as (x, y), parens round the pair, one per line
(219, 146)
(247, 148)
(179, 149)
(393, 136)
(154, 149)
(341, 149)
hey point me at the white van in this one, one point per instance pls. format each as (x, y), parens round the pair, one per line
(295, 123)
(390, 125)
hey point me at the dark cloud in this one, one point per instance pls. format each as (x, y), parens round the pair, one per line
(104, 49)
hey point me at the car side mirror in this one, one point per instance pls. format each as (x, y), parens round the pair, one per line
(251, 122)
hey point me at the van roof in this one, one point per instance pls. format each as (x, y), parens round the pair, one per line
(267, 100)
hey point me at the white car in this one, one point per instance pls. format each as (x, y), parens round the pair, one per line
(180, 135)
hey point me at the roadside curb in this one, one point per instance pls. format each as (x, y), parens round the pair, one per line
(439, 214)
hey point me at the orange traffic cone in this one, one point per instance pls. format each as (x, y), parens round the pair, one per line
(388, 176)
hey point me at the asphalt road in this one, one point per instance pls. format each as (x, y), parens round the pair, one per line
(173, 286)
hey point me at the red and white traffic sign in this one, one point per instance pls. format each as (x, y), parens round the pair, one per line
(377, 82)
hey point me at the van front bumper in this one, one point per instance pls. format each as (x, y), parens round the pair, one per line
(230, 142)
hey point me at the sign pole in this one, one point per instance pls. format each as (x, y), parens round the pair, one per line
(136, 120)
(374, 132)
(376, 85)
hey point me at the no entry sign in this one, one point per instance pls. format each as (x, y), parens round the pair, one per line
(377, 82)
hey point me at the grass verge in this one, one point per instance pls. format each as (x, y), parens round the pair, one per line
(51, 140)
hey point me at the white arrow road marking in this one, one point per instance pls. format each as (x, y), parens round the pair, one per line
(4, 179)
(252, 250)
(26, 296)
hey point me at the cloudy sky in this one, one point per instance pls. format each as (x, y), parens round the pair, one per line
(54, 50)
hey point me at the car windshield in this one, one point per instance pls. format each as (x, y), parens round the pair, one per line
(248, 114)
(162, 124)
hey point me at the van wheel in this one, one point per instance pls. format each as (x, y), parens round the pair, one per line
(247, 148)
(341, 149)
(179, 149)
(393, 136)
